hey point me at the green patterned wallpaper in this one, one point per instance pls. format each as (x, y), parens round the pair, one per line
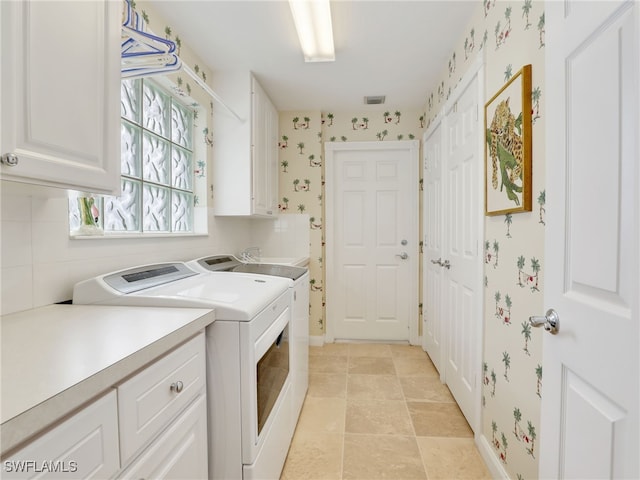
(302, 135)
(507, 35)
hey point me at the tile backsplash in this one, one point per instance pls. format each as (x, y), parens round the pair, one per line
(40, 263)
(286, 236)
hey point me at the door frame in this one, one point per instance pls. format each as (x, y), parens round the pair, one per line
(476, 70)
(413, 251)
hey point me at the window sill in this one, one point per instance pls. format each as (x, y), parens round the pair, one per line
(137, 236)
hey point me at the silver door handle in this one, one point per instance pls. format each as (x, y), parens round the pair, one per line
(402, 255)
(437, 262)
(446, 264)
(550, 322)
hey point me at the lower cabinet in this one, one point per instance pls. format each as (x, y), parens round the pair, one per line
(83, 446)
(152, 426)
(151, 399)
(180, 452)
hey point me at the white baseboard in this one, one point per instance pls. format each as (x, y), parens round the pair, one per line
(496, 468)
(320, 340)
(316, 340)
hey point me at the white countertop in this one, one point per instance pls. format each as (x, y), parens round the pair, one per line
(56, 358)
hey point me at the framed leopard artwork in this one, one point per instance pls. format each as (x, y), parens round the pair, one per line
(508, 147)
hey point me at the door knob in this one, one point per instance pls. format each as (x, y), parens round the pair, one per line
(437, 262)
(402, 255)
(550, 322)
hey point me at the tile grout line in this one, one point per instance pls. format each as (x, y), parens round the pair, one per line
(344, 425)
(411, 361)
(413, 428)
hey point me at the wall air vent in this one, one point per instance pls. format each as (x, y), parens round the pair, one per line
(374, 100)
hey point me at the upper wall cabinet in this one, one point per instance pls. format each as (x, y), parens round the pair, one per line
(245, 172)
(61, 93)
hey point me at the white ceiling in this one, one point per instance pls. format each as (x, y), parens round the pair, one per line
(395, 48)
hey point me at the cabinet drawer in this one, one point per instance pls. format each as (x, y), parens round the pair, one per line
(83, 446)
(149, 401)
(179, 452)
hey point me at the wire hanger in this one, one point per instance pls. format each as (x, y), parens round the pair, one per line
(143, 53)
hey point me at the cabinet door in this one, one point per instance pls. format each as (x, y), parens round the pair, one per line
(60, 93)
(272, 163)
(150, 400)
(84, 446)
(259, 141)
(180, 452)
(264, 153)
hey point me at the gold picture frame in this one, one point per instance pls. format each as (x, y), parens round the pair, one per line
(507, 124)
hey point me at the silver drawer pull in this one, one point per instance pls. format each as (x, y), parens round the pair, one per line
(177, 386)
(9, 159)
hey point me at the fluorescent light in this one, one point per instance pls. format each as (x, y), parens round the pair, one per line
(313, 23)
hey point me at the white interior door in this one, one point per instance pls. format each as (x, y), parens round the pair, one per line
(590, 401)
(461, 259)
(433, 211)
(453, 233)
(372, 240)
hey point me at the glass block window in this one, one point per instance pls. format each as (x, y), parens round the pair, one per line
(157, 162)
(162, 171)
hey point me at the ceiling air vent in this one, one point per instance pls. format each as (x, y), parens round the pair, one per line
(374, 100)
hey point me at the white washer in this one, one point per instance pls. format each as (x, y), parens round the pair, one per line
(249, 391)
(299, 284)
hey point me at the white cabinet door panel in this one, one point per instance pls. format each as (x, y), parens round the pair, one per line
(149, 400)
(245, 179)
(84, 446)
(60, 93)
(180, 452)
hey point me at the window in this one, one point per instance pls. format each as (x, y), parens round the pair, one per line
(158, 168)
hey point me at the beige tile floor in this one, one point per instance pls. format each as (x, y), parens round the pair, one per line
(377, 411)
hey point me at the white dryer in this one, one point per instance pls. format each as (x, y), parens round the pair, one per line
(249, 391)
(299, 284)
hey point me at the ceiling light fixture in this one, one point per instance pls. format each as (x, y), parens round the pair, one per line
(313, 23)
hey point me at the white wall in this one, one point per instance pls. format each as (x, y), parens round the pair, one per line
(40, 263)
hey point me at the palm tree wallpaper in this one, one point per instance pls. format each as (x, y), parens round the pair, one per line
(506, 35)
(302, 135)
